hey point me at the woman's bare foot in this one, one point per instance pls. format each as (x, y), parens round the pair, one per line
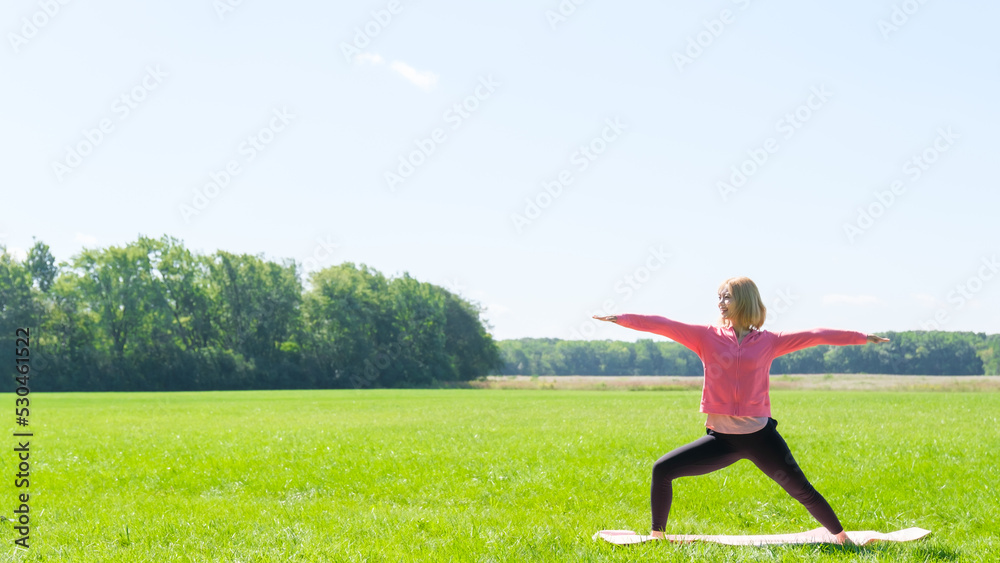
(657, 535)
(842, 538)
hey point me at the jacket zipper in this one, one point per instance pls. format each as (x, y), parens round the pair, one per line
(739, 349)
(739, 346)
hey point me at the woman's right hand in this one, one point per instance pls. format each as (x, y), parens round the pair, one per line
(609, 318)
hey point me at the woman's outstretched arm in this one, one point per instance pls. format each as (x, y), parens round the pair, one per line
(688, 335)
(788, 342)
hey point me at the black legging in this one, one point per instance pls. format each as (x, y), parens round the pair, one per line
(765, 448)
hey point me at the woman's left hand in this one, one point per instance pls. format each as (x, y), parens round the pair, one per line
(875, 339)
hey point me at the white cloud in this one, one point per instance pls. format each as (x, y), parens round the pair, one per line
(838, 299)
(424, 80)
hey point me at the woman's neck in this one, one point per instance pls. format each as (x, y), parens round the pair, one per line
(739, 330)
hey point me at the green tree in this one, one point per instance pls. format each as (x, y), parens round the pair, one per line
(70, 341)
(42, 266)
(347, 321)
(114, 284)
(648, 359)
(471, 350)
(255, 303)
(119, 285)
(989, 353)
(183, 281)
(19, 307)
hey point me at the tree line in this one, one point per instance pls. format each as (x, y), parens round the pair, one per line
(152, 315)
(907, 353)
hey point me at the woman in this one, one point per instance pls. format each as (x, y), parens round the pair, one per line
(737, 357)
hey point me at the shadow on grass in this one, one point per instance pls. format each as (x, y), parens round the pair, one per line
(887, 550)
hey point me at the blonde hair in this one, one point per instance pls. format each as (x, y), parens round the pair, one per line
(750, 310)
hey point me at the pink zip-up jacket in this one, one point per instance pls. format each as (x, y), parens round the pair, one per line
(737, 374)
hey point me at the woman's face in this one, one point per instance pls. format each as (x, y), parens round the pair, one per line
(727, 302)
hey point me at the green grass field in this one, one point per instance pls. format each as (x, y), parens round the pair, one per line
(485, 475)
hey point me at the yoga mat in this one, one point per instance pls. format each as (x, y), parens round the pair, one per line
(819, 535)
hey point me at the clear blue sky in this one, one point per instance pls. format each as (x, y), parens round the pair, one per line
(643, 108)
